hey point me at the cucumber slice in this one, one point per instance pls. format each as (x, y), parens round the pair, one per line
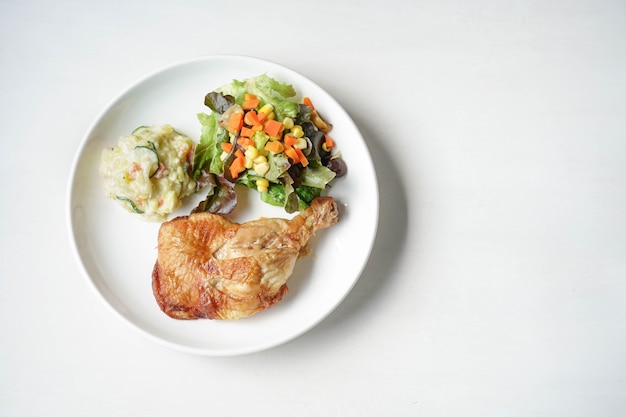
(133, 206)
(151, 147)
(137, 129)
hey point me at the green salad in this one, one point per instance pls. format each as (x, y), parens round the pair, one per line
(258, 135)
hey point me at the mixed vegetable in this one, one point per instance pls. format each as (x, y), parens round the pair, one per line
(259, 136)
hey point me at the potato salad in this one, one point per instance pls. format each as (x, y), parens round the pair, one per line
(149, 171)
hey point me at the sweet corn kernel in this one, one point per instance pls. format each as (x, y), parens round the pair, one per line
(262, 185)
(260, 159)
(297, 131)
(272, 116)
(288, 122)
(251, 152)
(249, 163)
(266, 109)
(324, 147)
(262, 168)
(300, 143)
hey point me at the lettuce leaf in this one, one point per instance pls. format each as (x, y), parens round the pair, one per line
(306, 194)
(317, 176)
(299, 199)
(268, 90)
(206, 157)
(279, 164)
(275, 195)
(221, 197)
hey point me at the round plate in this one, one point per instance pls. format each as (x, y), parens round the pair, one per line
(117, 251)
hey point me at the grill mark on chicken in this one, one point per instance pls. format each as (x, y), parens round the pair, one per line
(209, 267)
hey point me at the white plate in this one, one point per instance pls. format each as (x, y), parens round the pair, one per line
(117, 251)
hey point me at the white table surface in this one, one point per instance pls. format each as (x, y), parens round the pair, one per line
(497, 283)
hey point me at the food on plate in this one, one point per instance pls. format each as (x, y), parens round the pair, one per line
(257, 135)
(209, 267)
(260, 136)
(149, 171)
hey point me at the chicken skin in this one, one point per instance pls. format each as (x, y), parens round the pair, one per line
(209, 267)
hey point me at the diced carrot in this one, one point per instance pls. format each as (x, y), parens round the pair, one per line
(246, 132)
(235, 122)
(227, 147)
(236, 167)
(250, 102)
(307, 102)
(291, 153)
(301, 157)
(261, 116)
(290, 140)
(239, 154)
(329, 142)
(245, 142)
(251, 118)
(274, 146)
(273, 128)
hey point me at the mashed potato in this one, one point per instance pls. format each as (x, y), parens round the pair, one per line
(148, 172)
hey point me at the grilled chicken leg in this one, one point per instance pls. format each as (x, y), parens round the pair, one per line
(209, 267)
